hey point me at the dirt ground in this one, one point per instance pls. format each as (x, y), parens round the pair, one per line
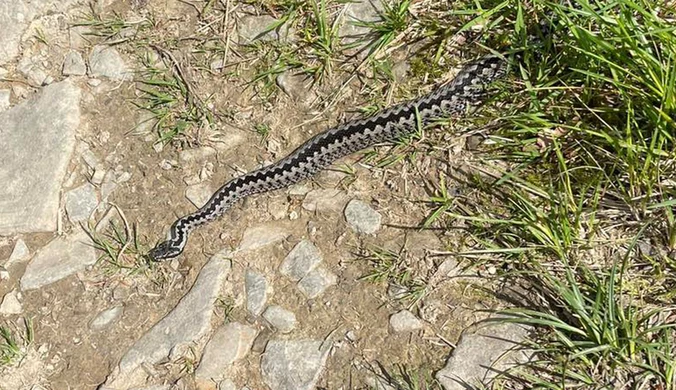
(67, 354)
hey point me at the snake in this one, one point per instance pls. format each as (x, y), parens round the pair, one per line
(470, 87)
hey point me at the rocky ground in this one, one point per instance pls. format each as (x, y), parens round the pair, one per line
(328, 284)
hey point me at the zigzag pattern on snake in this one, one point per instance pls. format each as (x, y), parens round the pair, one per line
(467, 89)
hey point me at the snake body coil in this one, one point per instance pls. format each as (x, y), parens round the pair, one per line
(468, 88)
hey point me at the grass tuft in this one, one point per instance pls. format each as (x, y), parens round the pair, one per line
(595, 335)
(122, 253)
(575, 177)
(11, 349)
(394, 269)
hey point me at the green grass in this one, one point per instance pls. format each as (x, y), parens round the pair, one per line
(122, 253)
(394, 19)
(578, 170)
(112, 29)
(178, 112)
(596, 334)
(321, 37)
(263, 131)
(405, 378)
(11, 349)
(394, 269)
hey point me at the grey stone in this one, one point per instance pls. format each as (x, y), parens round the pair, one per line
(325, 199)
(293, 364)
(282, 319)
(260, 236)
(362, 218)
(297, 86)
(62, 257)
(449, 268)
(197, 155)
(108, 185)
(187, 322)
(396, 291)
(229, 139)
(32, 71)
(316, 282)
(644, 247)
(252, 28)
(299, 189)
(79, 37)
(400, 71)
(20, 253)
(145, 122)
(227, 384)
(230, 343)
(81, 202)
(10, 304)
(302, 259)
(74, 65)
(37, 139)
(358, 12)
(106, 318)
(481, 355)
(105, 61)
(198, 194)
(98, 175)
(405, 321)
(14, 18)
(5, 94)
(88, 156)
(257, 291)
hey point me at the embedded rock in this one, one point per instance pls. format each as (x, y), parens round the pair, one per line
(37, 139)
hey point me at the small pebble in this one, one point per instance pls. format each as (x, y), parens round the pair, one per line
(405, 321)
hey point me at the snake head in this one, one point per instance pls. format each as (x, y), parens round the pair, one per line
(165, 250)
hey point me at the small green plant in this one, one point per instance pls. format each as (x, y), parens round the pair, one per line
(122, 253)
(263, 130)
(40, 36)
(114, 29)
(394, 19)
(321, 36)
(391, 268)
(405, 378)
(10, 348)
(121, 248)
(272, 60)
(177, 110)
(189, 361)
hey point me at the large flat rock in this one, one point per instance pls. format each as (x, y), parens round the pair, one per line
(188, 322)
(37, 139)
(59, 259)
